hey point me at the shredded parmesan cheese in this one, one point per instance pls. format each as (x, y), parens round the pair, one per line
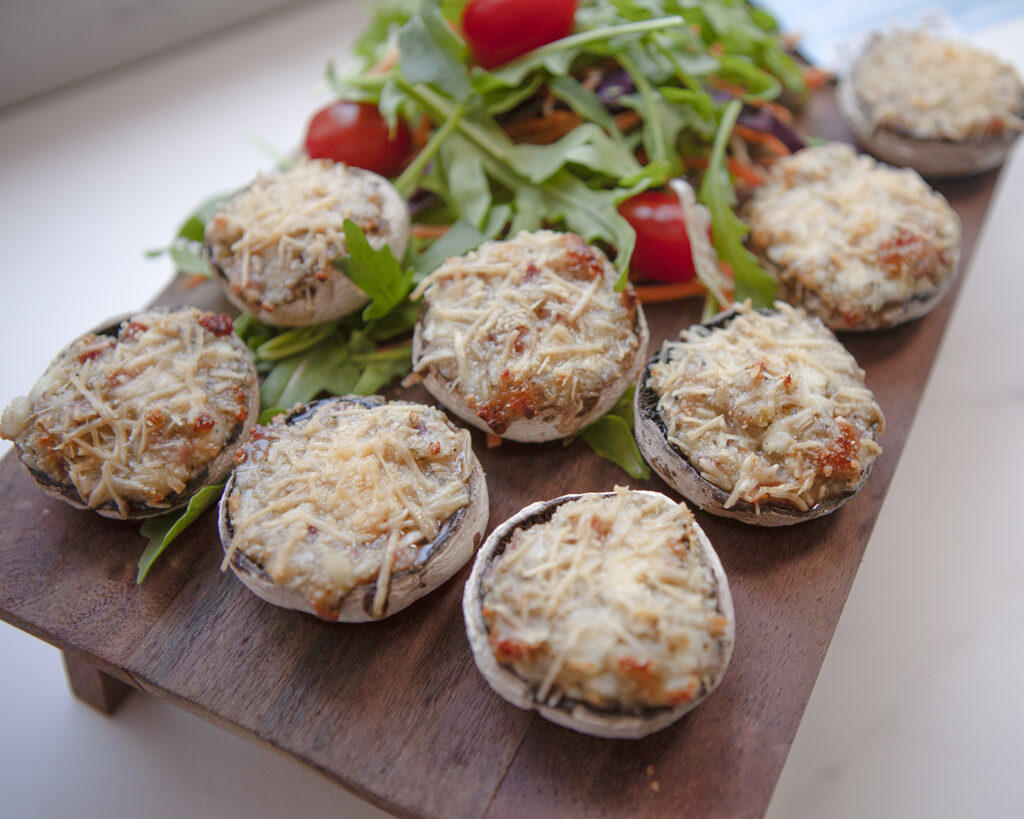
(609, 602)
(770, 408)
(928, 88)
(850, 238)
(275, 240)
(132, 419)
(346, 495)
(525, 325)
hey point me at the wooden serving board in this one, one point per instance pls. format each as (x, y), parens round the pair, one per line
(396, 711)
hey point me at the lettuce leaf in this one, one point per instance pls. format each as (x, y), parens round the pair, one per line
(161, 531)
(611, 437)
(750, 281)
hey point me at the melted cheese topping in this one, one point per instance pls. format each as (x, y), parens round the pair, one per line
(346, 495)
(275, 240)
(525, 325)
(768, 408)
(849, 237)
(929, 88)
(132, 419)
(609, 602)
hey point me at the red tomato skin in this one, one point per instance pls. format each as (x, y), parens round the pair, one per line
(355, 133)
(662, 249)
(498, 31)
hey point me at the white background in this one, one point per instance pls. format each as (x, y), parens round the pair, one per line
(918, 708)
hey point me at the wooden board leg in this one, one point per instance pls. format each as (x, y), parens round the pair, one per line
(93, 687)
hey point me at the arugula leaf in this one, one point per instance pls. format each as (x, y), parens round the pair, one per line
(586, 145)
(592, 214)
(385, 19)
(699, 101)
(411, 177)
(751, 282)
(380, 367)
(611, 437)
(497, 99)
(194, 228)
(452, 9)
(186, 249)
(461, 238)
(327, 367)
(760, 84)
(399, 321)
(584, 102)
(161, 531)
(468, 188)
(355, 87)
(338, 366)
(432, 53)
(376, 272)
(189, 259)
(277, 379)
(291, 342)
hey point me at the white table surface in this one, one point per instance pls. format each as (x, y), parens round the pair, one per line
(918, 708)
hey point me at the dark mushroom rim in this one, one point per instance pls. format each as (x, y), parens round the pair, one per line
(647, 404)
(424, 553)
(570, 704)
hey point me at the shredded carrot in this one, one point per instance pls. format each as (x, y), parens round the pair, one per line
(627, 120)
(493, 441)
(420, 231)
(770, 141)
(543, 130)
(731, 87)
(653, 293)
(195, 281)
(780, 112)
(386, 62)
(816, 77)
(421, 133)
(748, 174)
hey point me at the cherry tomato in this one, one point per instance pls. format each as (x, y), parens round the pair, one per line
(355, 133)
(501, 30)
(662, 247)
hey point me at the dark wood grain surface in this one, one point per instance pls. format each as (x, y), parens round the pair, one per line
(396, 711)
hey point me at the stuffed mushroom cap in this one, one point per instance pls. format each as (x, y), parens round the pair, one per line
(132, 419)
(941, 107)
(274, 243)
(352, 508)
(759, 415)
(608, 613)
(526, 338)
(862, 246)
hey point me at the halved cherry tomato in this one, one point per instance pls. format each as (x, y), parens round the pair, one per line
(355, 133)
(501, 30)
(662, 247)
